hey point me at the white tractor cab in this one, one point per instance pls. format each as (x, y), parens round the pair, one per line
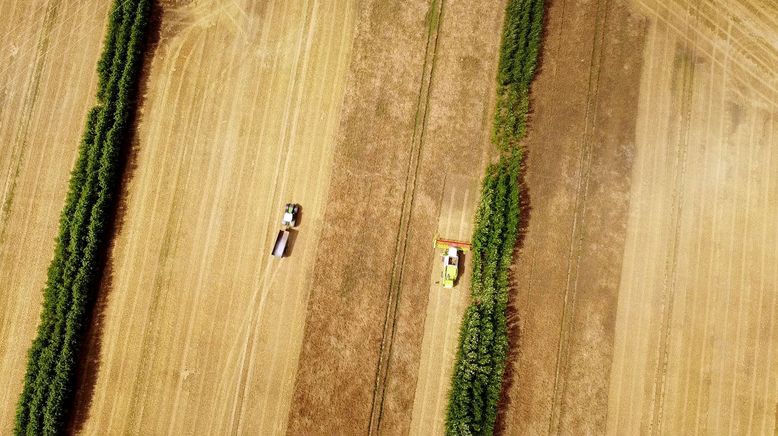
(288, 221)
(450, 271)
(290, 215)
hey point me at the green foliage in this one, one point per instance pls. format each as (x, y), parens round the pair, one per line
(74, 271)
(483, 337)
(522, 32)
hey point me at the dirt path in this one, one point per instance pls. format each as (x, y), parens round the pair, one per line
(696, 333)
(48, 56)
(202, 328)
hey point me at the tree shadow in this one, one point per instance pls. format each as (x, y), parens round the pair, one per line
(88, 364)
(512, 315)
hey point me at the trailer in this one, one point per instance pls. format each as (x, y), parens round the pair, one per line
(279, 248)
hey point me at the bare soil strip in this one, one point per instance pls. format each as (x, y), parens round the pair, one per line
(48, 53)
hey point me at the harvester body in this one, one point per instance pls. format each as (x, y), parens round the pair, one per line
(450, 267)
(452, 248)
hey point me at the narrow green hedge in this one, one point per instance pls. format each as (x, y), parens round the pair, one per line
(483, 337)
(74, 272)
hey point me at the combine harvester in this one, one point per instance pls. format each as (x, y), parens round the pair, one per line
(288, 221)
(451, 249)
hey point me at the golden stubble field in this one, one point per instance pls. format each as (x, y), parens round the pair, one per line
(696, 334)
(48, 53)
(647, 285)
(199, 328)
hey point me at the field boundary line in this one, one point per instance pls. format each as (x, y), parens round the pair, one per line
(403, 231)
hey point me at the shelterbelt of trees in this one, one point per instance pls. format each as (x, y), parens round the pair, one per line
(483, 337)
(75, 271)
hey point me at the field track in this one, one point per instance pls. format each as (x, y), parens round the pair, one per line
(48, 56)
(200, 328)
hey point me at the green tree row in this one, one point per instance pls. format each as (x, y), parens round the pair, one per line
(74, 272)
(483, 337)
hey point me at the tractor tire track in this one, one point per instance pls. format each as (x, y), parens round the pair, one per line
(21, 141)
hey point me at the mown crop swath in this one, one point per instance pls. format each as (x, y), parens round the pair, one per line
(483, 337)
(74, 271)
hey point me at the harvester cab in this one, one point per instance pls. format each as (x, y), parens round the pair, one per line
(451, 249)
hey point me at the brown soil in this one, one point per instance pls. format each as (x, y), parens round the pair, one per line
(48, 54)
(414, 144)
(644, 303)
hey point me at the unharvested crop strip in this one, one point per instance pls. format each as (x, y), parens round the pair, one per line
(75, 271)
(576, 240)
(387, 337)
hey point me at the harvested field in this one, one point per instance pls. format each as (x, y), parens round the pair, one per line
(645, 294)
(199, 329)
(696, 333)
(380, 333)
(48, 55)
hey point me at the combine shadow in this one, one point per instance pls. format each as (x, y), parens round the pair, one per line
(88, 365)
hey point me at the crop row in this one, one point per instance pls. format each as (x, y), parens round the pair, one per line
(74, 272)
(483, 337)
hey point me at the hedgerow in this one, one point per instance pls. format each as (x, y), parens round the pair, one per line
(483, 337)
(74, 271)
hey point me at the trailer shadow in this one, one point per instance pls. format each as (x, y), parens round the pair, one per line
(290, 242)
